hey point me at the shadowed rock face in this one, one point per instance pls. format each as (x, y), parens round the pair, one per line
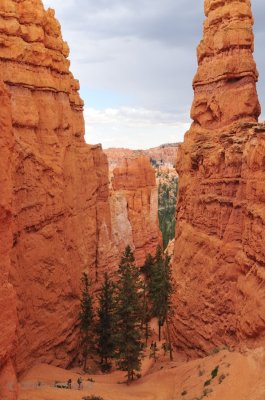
(225, 82)
(219, 253)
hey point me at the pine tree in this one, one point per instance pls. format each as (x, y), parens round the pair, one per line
(155, 289)
(161, 289)
(128, 316)
(86, 317)
(168, 290)
(146, 312)
(146, 269)
(105, 325)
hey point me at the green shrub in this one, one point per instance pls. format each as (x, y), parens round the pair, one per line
(92, 397)
(214, 372)
(207, 383)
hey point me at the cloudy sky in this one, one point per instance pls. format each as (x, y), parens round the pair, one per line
(135, 60)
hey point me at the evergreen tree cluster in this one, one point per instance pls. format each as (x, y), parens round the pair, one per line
(125, 309)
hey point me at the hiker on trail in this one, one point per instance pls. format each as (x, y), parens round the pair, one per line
(69, 383)
(151, 349)
(154, 351)
(79, 382)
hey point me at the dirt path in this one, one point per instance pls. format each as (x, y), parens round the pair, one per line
(239, 377)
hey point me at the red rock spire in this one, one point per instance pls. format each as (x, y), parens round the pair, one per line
(225, 82)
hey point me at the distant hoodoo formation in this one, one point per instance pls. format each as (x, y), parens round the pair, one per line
(55, 205)
(219, 253)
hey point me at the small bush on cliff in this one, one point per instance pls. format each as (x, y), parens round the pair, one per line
(86, 317)
(105, 324)
(128, 316)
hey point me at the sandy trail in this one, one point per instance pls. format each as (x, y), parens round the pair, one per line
(239, 377)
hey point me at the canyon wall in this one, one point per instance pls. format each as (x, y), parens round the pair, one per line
(134, 207)
(58, 217)
(60, 190)
(8, 319)
(219, 254)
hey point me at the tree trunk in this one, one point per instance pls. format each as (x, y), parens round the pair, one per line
(159, 331)
(169, 340)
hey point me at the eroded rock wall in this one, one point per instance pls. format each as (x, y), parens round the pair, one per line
(219, 253)
(134, 207)
(61, 214)
(8, 320)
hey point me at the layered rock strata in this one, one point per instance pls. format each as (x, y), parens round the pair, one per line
(219, 252)
(61, 221)
(134, 207)
(60, 189)
(225, 82)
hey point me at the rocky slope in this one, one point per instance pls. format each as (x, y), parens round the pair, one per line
(134, 207)
(219, 253)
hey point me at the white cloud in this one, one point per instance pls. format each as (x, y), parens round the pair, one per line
(132, 127)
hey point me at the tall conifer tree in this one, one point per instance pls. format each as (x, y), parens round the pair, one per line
(161, 289)
(86, 317)
(105, 325)
(128, 316)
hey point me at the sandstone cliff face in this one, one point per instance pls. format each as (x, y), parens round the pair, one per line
(219, 253)
(61, 214)
(8, 320)
(134, 205)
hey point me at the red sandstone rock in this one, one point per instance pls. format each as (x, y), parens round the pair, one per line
(135, 196)
(64, 220)
(225, 83)
(8, 316)
(61, 212)
(219, 252)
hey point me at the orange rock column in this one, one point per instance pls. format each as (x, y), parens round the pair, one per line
(225, 82)
(219, 253)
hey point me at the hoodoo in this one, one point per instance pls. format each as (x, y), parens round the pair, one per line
(219, 253)
(225, 82)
